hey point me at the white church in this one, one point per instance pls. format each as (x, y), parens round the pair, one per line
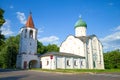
(78, 51)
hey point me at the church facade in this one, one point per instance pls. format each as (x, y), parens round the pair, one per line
(78, 51)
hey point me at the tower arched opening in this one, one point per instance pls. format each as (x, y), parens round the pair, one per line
(31, 34)
(33, 64)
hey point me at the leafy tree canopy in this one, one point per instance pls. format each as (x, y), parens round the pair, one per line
(112, 59)
(2, 20)
(41, 49)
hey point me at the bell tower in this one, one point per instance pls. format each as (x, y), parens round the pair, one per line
(28, 38)
(28, 45)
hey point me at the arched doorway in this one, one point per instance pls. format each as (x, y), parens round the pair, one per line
(33, 64)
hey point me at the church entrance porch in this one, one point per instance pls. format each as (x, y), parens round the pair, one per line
(33, 64)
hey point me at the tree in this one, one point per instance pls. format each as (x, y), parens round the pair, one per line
(112, 59)
(9, 52)
(2, 21)
(41, 49)
(52, 48)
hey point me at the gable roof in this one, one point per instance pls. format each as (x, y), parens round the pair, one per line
(61, 54)
(85, 38)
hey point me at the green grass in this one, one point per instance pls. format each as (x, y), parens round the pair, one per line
(79, 70)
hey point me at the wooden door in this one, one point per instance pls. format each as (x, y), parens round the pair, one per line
(25, 64)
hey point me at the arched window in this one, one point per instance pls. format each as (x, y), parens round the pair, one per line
(75, 62)
(25, 33)
(68, 63)
(81, 63)
(47, 62)
(31, 34)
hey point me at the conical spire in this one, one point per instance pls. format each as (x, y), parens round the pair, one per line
(29, 22)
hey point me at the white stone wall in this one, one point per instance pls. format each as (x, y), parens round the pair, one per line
(28, 44)
(101, 57)
(90, 55)
(73, 45)
(80, 31)
(77, 64)
(28, 47)
(60, 62)
(71, 63)
(19, 61)
(95, 48)
(48, 63)
(27, 58)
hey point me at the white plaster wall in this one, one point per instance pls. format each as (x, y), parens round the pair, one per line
(60, 62)
(19, 61)
(52, 62)
(83, 66)
(97, 48)
(77, 66)
(90, 55)
(73, 45)
(80, 31)
(28, 45)
(102, 59)
(28, 58)
(70, 66)
(76, 46)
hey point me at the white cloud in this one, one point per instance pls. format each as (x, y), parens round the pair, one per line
(11, 6)
(50, 39)
(111, 41)
(21, 17)
(117, 28)
(6, 28)
(40, 30)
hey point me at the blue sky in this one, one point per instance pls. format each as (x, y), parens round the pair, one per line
(55, 19)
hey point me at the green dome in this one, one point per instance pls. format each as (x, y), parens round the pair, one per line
(80, 23)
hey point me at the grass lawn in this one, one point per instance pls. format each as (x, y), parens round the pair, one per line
(80, 70)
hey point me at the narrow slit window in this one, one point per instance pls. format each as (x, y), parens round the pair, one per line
(25, 33)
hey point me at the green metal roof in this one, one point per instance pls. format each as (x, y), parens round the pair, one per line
(80, 23)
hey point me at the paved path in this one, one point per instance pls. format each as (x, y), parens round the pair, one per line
(35, 75)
